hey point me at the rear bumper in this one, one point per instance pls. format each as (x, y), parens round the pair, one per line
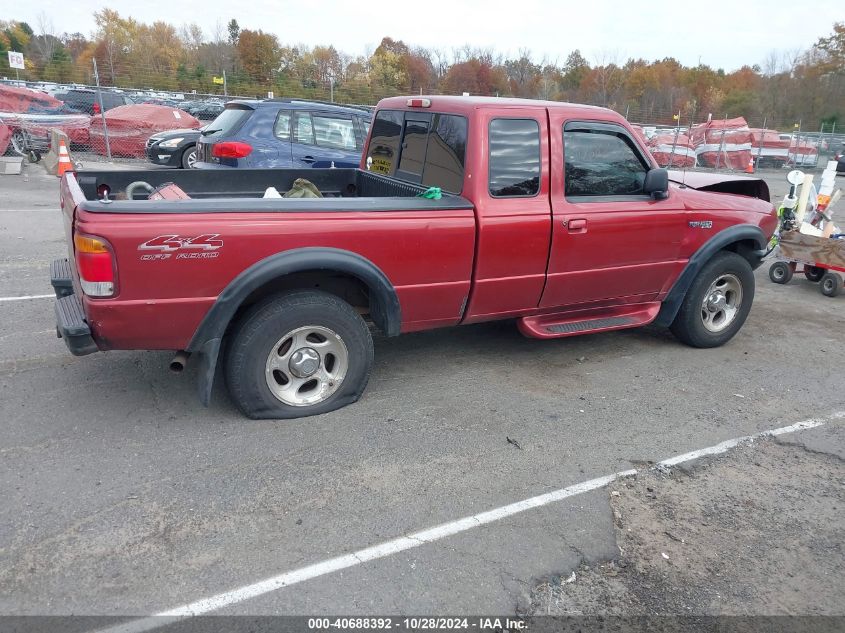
(70, 317)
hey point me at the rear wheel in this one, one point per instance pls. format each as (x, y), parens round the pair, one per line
(830, 284)
(189, 157)
(717, 303)
(780, 272)
(299, 354)
(813, 273)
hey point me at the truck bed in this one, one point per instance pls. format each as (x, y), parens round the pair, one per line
(214, 191)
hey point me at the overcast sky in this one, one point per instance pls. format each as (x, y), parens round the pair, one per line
(721, 33)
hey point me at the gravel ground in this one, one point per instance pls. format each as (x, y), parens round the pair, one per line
(757, 531)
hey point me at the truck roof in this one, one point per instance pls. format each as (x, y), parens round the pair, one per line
(466, 104)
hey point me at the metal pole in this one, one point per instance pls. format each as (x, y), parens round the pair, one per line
(797, 137)
(331, 88)
(225, 86)
(627, 109)
(102, 109)
(762, 138)
(721, 144)
(675, 142)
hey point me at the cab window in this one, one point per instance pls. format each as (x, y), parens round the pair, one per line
(514, 158)
(601, 160)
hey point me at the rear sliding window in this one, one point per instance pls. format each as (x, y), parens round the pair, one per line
(227, 121)
(420, 147)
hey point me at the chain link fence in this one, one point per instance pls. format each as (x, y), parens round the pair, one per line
(114, 124)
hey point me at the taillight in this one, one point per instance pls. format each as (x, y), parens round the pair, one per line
(95, 264)
(231, 149)
(96, 108)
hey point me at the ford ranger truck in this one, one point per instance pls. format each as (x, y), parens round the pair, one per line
(553, 215)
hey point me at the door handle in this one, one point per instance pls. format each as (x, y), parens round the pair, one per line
(308, 159)
(576, 226)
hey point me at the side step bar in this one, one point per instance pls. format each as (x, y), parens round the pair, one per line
(587, 322)
(60, 278)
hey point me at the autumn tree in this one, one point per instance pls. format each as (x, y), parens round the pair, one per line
(523, 75)
(387, 63)
(115, 38)
(258, 53)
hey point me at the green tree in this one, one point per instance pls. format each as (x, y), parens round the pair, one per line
(234, 31)
(833, 49)
(574, 70)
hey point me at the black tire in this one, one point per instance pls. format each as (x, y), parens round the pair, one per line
(689, 326)
(17, 143)
(813, 273)
(780, 273)
(186, 156)
(257, 333)
(830, 284)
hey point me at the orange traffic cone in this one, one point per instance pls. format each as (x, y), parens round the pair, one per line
(64, 160)
(750, 168)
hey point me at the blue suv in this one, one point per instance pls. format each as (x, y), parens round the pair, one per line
(284, 133)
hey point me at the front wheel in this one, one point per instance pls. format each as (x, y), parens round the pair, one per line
(299, 354)
(780, 272)
(189, 157)
(717, 303)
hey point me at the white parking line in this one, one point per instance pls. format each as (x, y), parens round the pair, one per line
(429, 535)
(27, 297)
(54, 207)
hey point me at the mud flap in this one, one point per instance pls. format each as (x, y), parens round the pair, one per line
(206, 359)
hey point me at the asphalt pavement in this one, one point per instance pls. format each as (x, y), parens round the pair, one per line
(122, 495)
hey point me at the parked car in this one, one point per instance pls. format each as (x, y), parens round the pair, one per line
(206, 111)
(552, 214)
(170, 103)
(840, 160)
(174, 148)
(86, 100)
(284, 133)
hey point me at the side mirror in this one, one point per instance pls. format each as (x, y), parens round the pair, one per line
(656, 183)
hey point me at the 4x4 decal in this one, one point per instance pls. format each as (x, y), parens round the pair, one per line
(168, 243)
(200, 247)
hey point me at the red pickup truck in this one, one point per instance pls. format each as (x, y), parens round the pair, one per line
(551, 214)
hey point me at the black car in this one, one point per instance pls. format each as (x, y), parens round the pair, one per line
(207, 110)
(85, 100)
(174, 148)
